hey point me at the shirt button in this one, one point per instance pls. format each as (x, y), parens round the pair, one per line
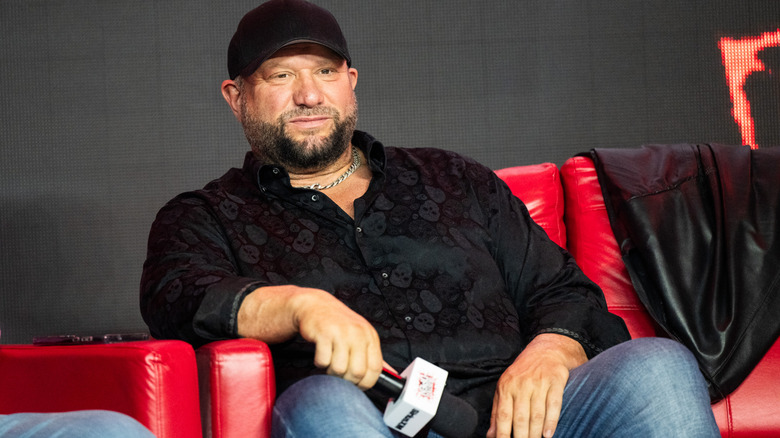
(359, 230)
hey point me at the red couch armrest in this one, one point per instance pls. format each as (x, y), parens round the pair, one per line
(238, 388)
(539, 187)
(154, 382)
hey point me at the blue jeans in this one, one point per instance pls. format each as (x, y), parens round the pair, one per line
(648, 387)
(76, 424)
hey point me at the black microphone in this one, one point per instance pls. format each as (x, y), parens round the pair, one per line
(454, 418)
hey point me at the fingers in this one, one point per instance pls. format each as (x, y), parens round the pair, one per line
(357, 359)
(355, 363)
(502, 416)
(374, 364)
(542, 413)
(323, 354)
(527, 412)
(346, 344)
(529, 394)
(553, 412)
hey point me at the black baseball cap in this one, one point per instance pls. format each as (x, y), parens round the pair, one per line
(279, 23)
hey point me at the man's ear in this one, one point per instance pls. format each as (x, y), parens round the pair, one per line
(353, 75)
(232, 96)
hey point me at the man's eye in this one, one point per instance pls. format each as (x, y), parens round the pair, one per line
(281, 76)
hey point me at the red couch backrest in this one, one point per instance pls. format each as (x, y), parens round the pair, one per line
(539, 187)
(569, 205)
(591, 242)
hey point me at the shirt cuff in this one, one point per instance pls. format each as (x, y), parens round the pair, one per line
(590, 348)
(217, 315)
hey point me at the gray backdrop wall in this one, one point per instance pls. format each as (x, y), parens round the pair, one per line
(111, 107)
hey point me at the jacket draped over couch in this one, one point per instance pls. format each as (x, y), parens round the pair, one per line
(697, 227)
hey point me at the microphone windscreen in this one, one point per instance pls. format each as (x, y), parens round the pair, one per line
(454, 418)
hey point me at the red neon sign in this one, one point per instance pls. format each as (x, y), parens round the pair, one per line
(740, 61)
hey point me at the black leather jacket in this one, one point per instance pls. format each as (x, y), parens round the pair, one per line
(699, 230)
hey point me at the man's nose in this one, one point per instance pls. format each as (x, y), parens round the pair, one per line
(307, 91)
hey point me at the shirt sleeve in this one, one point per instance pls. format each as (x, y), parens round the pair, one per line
(191, 288)
(549, 291)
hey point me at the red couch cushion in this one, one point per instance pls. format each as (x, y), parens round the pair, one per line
(154, 382)
(753, 409)
(539, 187)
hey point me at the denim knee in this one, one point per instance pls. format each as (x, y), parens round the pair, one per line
(81, 424)
(325, 404)
(649, 387)
(113, 424)
(649, 362)
(319, 389)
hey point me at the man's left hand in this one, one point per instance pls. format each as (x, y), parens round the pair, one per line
(529, 395)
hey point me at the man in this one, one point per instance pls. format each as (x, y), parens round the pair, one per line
(345, 255)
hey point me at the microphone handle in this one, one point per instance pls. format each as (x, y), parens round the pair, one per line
(390, 384)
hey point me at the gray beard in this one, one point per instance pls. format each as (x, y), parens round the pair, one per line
(271, 144)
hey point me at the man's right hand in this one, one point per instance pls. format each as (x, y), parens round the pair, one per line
(346, 345)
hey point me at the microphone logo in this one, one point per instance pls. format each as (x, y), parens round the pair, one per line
(426, 386)
(406, 419)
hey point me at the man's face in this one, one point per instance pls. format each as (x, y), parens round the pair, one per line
(299, 108)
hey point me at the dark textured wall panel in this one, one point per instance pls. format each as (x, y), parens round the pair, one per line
(109, 108)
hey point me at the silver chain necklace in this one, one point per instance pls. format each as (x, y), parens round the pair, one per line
(339, 180)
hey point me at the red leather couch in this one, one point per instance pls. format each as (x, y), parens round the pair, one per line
(155, 382)
(569, 205)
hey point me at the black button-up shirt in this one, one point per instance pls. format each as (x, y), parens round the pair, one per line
(441, 258)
